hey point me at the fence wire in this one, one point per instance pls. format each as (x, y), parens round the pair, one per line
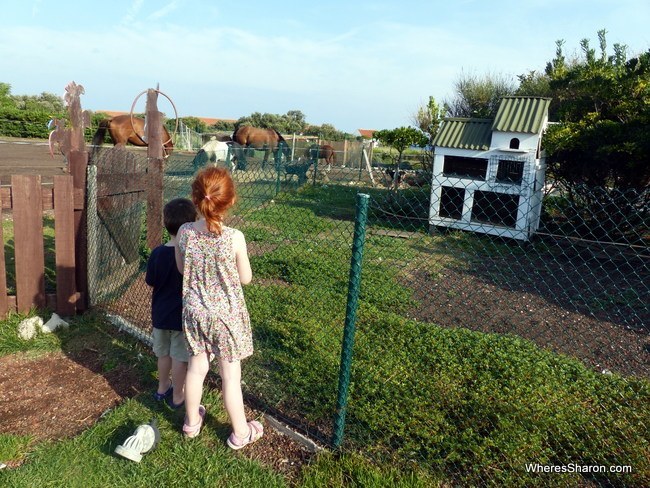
(502, 334)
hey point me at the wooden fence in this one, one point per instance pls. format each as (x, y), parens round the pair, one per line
(28, 201)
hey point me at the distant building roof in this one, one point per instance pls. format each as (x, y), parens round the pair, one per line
(205, 120)
(521, 114)
(212, 121)
(112, 113)
(465, 133)
(367, 133)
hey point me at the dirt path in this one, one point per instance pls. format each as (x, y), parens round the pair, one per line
(29, 156)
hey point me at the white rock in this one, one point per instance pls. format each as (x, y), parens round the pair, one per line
(54, 323)
(28, 327)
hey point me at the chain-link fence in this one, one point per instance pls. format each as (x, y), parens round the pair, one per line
(482, 356)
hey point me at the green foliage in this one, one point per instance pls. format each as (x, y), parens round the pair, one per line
(15, 122)
(464, 407)
(428, 118)
(27, 115)
(472, 403)
(400, 139)
(478, 96)
(603, 104)
(193, 123)
(14, 446)
(292, 121)
(333, 469)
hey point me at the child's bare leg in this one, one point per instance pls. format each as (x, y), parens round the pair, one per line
(233, 399)
(179, 371)
(197, 368)
(164, 368)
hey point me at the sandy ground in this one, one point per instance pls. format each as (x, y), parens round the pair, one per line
(28, 156)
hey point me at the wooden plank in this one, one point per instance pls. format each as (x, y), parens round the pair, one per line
(154, 203)
(5, 196)
(4, 306)
(28, 241)
(66, 287)
(47, 198)
(155, 171)
(78, 162)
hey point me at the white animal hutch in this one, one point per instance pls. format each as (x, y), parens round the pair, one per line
(488, 175)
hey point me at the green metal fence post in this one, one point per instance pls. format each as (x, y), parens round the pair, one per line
(350, 316)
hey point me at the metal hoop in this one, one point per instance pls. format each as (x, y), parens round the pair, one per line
(173, 106)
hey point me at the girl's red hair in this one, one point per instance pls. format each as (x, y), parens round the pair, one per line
(213, 193)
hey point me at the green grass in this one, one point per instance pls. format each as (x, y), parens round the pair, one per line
(463, 405)
(88, 460)
(428, 406)
(10, 254)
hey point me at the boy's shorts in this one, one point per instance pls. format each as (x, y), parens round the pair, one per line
(170, 343)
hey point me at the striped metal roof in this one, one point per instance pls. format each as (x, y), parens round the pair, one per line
(463, 133)
(521, 114)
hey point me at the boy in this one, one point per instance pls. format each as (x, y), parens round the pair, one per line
(169, 344)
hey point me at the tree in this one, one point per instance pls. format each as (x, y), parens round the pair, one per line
(294, 122)
(603, 106)
(428, 119)
(194, 123)
(478, 96)
(6, 101)
(400, 139)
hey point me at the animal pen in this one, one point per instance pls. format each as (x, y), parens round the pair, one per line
(473, 355)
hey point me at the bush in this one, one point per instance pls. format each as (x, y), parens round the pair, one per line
(26, 124)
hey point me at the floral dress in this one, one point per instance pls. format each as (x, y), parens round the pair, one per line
(215, 318)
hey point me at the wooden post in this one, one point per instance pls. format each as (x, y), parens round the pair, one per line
(28, 241)
(78, 164)
(74, 147)
(4, 306)
(155, 170)
(66, 289)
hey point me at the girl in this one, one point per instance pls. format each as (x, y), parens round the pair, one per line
(214, 262)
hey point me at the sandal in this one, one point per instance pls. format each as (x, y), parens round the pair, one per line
(161, 396)
(191, 431)
(256, 433)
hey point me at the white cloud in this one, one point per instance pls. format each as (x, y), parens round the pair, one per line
(166, 10)
(36, 8)
(132, 13)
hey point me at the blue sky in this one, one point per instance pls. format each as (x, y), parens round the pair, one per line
(352, 64)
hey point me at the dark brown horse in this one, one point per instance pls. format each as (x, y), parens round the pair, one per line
(123, 129)
(267, 140)
(324, 151)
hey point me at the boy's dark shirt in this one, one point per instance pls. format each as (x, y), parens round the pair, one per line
(167, 283)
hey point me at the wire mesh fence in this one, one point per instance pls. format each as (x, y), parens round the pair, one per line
(479, 359)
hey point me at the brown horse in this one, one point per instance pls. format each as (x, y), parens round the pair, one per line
(123, 129)
(325, 152)
(267, 140)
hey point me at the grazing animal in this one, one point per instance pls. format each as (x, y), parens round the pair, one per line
(267, 140)
(325, 152)
(213, 151)
(123, 129)
(391, 173)
(300, 170)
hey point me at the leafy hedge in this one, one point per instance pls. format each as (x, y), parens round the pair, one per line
(25, 123)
